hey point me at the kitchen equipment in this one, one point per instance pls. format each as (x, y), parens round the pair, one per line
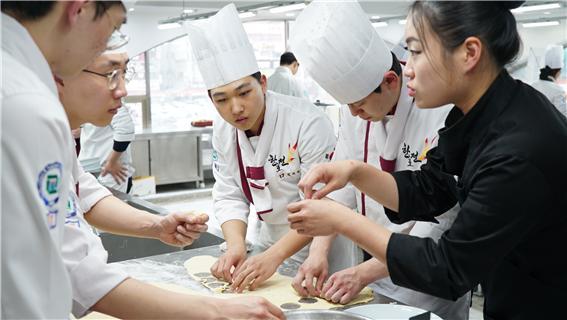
(322, 315)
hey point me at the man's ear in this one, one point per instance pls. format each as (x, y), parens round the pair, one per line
(74, 9)
(391, 79)
(264, 83)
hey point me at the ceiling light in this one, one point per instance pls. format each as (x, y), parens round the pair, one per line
(546, 6)
(540, 24)
(375, 17)
(380, 24)
(292, 7)
(131, 9)
(247, 14)
(171, 25)
(187, 11)
(402, 21)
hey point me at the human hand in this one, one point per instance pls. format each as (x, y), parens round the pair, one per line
(254, 271)
(343, 286)
(181, 228)
(233, 257)
(255, 308)
(316, 217)
(116, 170)
(316, 266)
(334, 176)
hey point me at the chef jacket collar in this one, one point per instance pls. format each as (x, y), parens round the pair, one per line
(461, 131)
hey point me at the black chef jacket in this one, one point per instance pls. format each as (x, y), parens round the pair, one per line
(505, 162)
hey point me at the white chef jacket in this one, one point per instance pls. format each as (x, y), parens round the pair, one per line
(419, 135)
(97, 142)
(303, 136)
(283, 81)
(84, 256)
(36, 170)
(554, 93)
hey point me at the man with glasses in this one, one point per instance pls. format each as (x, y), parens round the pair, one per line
(109, 144)
(98, 286)
(41, 40)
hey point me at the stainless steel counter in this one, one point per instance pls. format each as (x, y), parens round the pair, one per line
(149, 133)
(171, 156)
(168, 268)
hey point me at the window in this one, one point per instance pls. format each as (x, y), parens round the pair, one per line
(178, 93)
(268, 40)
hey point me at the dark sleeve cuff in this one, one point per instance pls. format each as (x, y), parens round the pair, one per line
(120, 146)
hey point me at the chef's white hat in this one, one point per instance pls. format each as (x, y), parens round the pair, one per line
(554, 56)
(339, 48)
(221, 47)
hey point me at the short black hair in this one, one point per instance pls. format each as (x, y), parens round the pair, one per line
(396, 67)
(287, 58)
(35, 10)
(256, 75)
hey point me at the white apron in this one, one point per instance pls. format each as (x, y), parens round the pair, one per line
(295, 136)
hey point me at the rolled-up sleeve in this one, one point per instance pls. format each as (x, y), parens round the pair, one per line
(86, 262)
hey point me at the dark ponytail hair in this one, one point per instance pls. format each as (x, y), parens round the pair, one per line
(547, 72)
(454, 21)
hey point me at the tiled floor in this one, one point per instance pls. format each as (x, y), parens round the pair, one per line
(201, 201)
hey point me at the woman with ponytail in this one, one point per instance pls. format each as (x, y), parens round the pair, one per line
(501, 156)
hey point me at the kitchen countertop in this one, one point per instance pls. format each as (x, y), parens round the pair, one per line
(168, 268)
(148, 133)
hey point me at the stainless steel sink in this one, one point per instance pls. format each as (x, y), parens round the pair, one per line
(122, 248)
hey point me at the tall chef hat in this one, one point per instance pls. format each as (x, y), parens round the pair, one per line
(339, 48)
(221, 47)
(554, 56)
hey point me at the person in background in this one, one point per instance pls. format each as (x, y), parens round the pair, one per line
(110, 144)
(547, 83)
(263, 143)
(98, 286)
(379, 125)
(42, 40)
(499, 141)
(283, 80)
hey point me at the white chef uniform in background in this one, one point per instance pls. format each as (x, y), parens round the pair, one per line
(341, 50)
(97, 142)
(554, 59)
(283, 81)
(35, 169)
(295, 134)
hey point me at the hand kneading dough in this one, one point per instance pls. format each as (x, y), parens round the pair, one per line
(277, 289)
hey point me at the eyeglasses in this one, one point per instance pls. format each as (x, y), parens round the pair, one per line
(117, 39)
(114, 76)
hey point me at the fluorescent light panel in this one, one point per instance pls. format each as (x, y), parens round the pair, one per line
(171, 25)
(292, 7)
(380, 24)
(540, 24)
(247, 14)
(402, 21)
(537, 7)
